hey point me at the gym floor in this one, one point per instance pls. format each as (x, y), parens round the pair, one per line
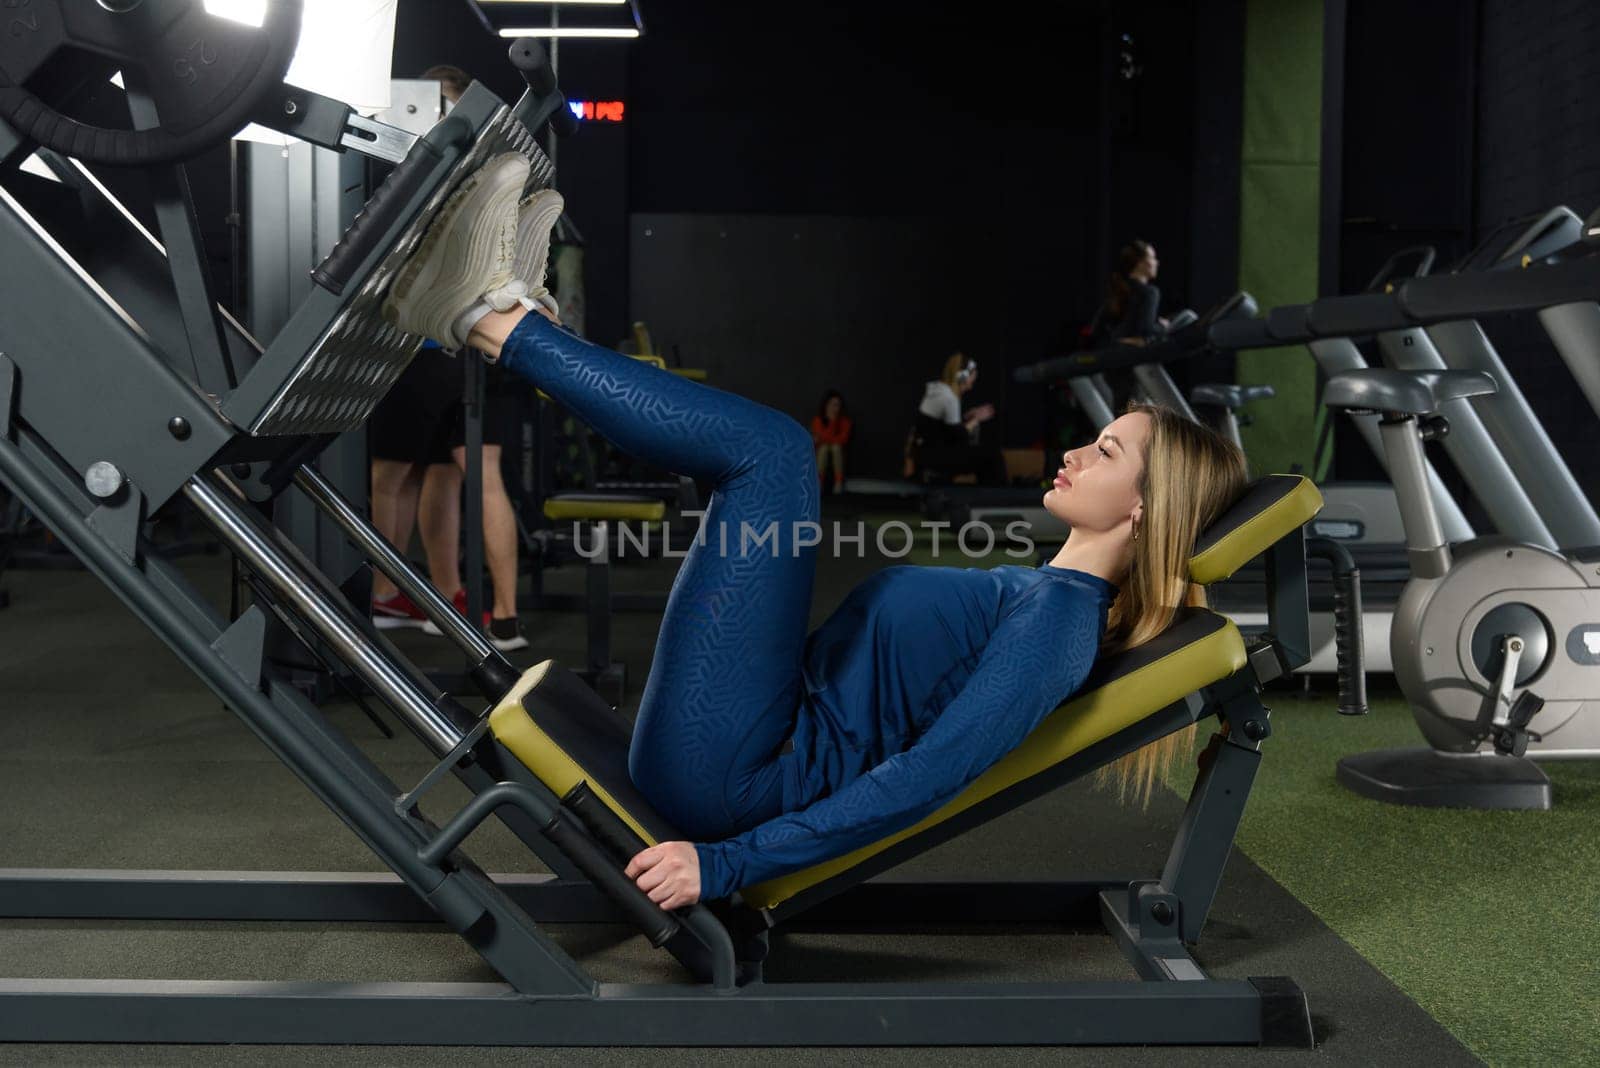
(1416, 935)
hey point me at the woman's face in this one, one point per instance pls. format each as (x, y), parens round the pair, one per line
(970, 381)
(831, 409)
(1097, 487)
(1150, 265)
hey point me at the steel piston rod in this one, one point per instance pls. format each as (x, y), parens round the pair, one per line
(226, 515)
(377, 549)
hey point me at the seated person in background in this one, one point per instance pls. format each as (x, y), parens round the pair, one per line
(1131, 312)
(945, 439)
(830, 433)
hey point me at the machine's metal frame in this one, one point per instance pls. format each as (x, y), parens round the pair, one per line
(186, 414)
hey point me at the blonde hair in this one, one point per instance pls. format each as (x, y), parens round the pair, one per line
(1191, 474)
(953, 368)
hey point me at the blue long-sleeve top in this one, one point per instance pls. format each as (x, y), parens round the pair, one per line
(921, 680)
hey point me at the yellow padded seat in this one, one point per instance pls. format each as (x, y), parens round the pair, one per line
(565, 734)
(601, 506)
(559, 763)
(571, 737)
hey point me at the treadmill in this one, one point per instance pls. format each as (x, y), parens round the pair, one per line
(1503, 454)
(1383, 565)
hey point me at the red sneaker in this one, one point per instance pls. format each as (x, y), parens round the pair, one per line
(460, 601)
(397, 613)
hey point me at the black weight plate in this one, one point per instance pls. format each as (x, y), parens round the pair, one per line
(205, 74)
(30, 34)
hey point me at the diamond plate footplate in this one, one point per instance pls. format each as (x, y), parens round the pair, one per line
(361, 355)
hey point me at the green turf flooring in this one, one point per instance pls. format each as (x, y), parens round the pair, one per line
(1489, 920)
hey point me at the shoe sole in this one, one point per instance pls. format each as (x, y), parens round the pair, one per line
(397, 623)
(536, 217)
(509, 645)
(444, 277)
(430, 627)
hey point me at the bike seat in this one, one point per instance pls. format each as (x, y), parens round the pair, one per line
(1231, 397)
(1381, 389)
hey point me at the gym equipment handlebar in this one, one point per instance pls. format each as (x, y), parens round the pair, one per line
(1349, 651)
(374, 221)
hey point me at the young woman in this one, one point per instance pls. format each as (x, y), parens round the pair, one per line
(830, 433)
(1131, 314)
(770, 749)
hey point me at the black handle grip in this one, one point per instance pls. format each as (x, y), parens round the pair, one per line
(609, 829)
(1234, 334)
(1393, 270)
(562, 119)
(373, 223)
(529, 57)
(657, 924)
(1349, 651)
(1057, 367)
(1290, 323)
(1367, 313)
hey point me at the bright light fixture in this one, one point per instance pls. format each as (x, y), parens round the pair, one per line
(569, 31)
(344, 52)
(249, 12)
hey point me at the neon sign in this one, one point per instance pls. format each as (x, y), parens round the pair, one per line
(597, 110)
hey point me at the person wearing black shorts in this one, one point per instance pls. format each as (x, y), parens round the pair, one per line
(418, 443)
(503, 402)
(410, 438)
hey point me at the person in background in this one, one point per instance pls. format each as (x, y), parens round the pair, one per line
(945, 437)
(1131, 314)
(418, 468)
(830, 433)
(453, 81)
(409, 439)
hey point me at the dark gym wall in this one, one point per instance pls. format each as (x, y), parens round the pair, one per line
(832, 202)
(1537, 113)
(1406, 176)
(1457, 118)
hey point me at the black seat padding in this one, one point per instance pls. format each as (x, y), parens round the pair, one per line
(1229, 396)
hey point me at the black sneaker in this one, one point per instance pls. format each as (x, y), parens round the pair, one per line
(506, 635)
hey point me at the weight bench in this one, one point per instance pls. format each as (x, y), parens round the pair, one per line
(1201, 667)
(596, 513)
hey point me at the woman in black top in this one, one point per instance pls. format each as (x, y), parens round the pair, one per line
(1131, 314)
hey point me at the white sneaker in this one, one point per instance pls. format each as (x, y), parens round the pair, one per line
(536, 218)
(466, 255)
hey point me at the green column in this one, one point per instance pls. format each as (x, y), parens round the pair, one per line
(1279, 179)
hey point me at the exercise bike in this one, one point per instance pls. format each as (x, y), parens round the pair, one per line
(1491, 638)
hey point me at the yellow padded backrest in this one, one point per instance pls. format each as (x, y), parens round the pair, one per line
(1090, 718)
(1270, 507)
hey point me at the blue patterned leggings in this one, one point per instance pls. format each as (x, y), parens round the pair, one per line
(725, 681)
